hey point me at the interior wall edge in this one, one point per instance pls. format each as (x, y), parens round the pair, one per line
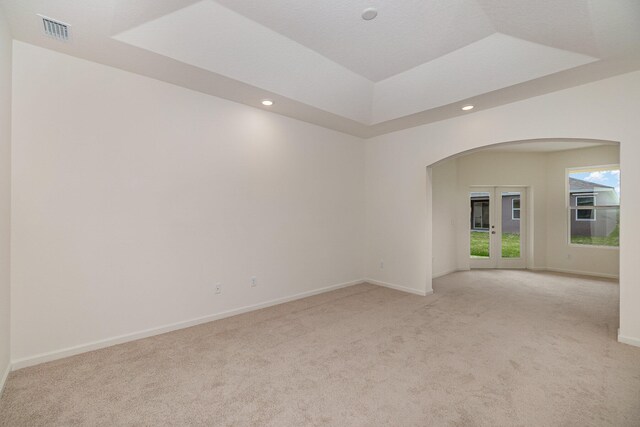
(444, 273)
(6, 79)
(577, 272)
(399, 287)
(122, 339)
(108, 342)
(3, 380)
(628, 340)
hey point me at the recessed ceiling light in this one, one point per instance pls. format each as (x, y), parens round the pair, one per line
(467, 107)
(267, 102)
(369, 13)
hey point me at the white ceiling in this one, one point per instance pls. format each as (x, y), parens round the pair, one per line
(417, 62)
(492, 63)
(210, 36)
(404, 35)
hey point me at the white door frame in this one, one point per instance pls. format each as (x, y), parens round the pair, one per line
(495, 259)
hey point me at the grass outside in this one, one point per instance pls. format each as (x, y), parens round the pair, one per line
(612, 239)
(480, 244)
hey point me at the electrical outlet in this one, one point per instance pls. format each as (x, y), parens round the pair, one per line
(218, 288)
(381, 265)
(254, 282)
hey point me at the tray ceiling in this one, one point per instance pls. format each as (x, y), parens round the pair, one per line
(417, 62)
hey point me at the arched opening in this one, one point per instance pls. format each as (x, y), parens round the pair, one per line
(556, 202)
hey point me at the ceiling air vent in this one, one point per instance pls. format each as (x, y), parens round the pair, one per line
(55, 29)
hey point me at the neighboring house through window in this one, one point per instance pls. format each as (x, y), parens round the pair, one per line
(515, 209)
(593, 199)
(585, 214)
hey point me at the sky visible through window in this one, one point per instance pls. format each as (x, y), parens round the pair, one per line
(610, 178)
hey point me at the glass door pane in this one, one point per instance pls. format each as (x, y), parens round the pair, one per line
(480, 204)
(510, 241)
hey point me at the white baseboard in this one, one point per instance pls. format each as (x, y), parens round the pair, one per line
(96, 345)
(444, 273)
(5, 375)
(398, 287)
(628, 340)
(577, 272)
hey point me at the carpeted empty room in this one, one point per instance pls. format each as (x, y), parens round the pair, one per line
(489, 348)
(307, 213)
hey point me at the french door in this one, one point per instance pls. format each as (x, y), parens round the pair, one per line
(497, 227)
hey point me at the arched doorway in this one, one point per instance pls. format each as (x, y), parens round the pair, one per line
(519, 166)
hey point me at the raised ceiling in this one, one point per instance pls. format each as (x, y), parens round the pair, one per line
(417, 62)
(404, 35)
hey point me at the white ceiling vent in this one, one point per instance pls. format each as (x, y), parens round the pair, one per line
(55, 29)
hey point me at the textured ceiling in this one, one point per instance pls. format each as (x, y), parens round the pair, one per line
(600, 28)
(489, 64)
(411, 32)
(405, 34)
(417, 62)
(564, 24)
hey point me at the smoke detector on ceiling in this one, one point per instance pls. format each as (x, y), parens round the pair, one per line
(55, 29)
(369, 13)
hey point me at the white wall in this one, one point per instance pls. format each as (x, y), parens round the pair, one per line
(398, 203)
(5, 194)
(445, 214)
(132, 198)
(544, 175)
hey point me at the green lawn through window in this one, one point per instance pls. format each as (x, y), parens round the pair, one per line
(480, 244)
(511, 243)
(612, 239)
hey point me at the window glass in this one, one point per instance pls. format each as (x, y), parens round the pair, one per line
(594, 206)
(585, 200)
(515, 208)
(479, 232)
(510, 226)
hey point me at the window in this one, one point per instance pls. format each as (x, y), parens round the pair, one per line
(593, 199)
(515, 209)
(586, 214)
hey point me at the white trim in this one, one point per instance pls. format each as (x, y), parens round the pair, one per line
(96, 345)
(587, 245)
(3, 380)
(399, 288)
(577, 272)
(628, 340)
(444, 273)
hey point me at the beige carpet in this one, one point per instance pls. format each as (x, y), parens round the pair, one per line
(489, 348)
